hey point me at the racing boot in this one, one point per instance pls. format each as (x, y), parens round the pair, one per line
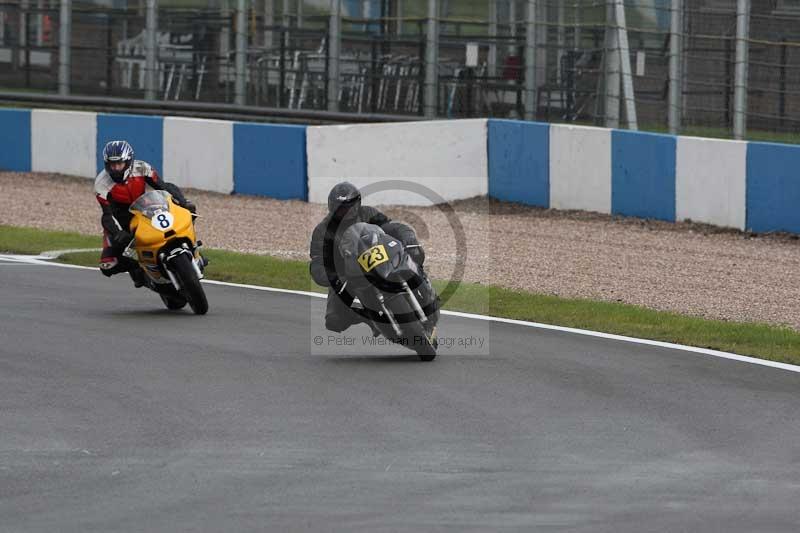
(361, 316)
(138, 277)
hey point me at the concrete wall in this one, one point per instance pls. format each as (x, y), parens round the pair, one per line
(63, 142)
(744, 185)
(145, 133)
(519, 161)
(643, 175)
(773, 187)
(710, 181)
(213, 155)
(270, 160)
(580, 168)
(199, 153)
(448, 157)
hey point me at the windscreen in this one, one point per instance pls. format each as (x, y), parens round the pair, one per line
(151, 203)
(358, 238)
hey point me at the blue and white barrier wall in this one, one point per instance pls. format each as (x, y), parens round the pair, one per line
(212, 155)
(744, 185)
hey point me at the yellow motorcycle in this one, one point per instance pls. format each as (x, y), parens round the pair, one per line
(165, 246)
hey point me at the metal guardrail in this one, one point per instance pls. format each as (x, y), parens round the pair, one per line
(197, 109)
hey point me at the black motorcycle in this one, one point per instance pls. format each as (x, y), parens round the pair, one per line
(395, 294)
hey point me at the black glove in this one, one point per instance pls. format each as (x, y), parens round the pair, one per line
(121, 239)
(186, 204)
(417, 254)
(338, 286)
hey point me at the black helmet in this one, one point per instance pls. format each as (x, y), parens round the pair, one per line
(344, 201)
(118, 152)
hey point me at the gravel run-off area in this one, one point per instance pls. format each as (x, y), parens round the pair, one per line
(689, 268)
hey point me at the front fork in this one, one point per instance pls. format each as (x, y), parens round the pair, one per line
(414, 304)
(388, 314)
(166, 259)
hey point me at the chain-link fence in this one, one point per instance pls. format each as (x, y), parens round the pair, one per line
(659, 64)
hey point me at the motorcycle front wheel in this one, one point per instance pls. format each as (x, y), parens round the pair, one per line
(190, 284)
(425, 350)
(173, 302)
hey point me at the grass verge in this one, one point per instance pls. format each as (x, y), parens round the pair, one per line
(758, 340)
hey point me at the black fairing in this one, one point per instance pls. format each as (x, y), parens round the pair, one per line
(387, 276)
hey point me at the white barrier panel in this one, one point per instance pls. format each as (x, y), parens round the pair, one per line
(580, 168)
(199, 153)
(449, 157)
(64, 142)
(711, 181)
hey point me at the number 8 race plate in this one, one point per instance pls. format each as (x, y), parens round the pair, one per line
(162, 221)
(373, 257)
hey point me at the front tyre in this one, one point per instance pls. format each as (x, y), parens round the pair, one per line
(190, 284)
(422, 343)
(173, 302)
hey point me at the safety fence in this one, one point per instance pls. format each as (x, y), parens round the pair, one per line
(738, 184)
(712, 67)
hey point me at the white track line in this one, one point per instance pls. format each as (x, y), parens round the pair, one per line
(44, 260)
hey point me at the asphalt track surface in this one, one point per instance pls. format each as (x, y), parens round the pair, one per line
(116, 415)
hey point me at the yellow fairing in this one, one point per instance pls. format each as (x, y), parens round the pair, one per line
(150, 239)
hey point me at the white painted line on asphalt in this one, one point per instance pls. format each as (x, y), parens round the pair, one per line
(611, 336)
(55, 254)
(6, 261)
(15, 259)
(39, 260)
(703, 351)
(266, 289)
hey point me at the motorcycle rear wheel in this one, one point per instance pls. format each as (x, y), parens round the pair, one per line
(190, 283)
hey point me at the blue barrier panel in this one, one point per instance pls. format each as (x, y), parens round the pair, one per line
(15, 140)
(519, 162)
(773, 187)
(270, 160)
(643, 174)
(146, 135)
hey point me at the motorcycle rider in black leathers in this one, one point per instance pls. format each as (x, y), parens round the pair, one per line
(344, 210)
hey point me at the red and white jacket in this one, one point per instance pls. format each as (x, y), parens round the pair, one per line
(115, 198)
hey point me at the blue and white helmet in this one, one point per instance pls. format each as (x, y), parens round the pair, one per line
(116, 152)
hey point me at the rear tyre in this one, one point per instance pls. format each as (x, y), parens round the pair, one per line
(173, 302)
(190, 283)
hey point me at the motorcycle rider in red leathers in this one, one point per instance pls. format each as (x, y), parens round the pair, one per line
(122, 181)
